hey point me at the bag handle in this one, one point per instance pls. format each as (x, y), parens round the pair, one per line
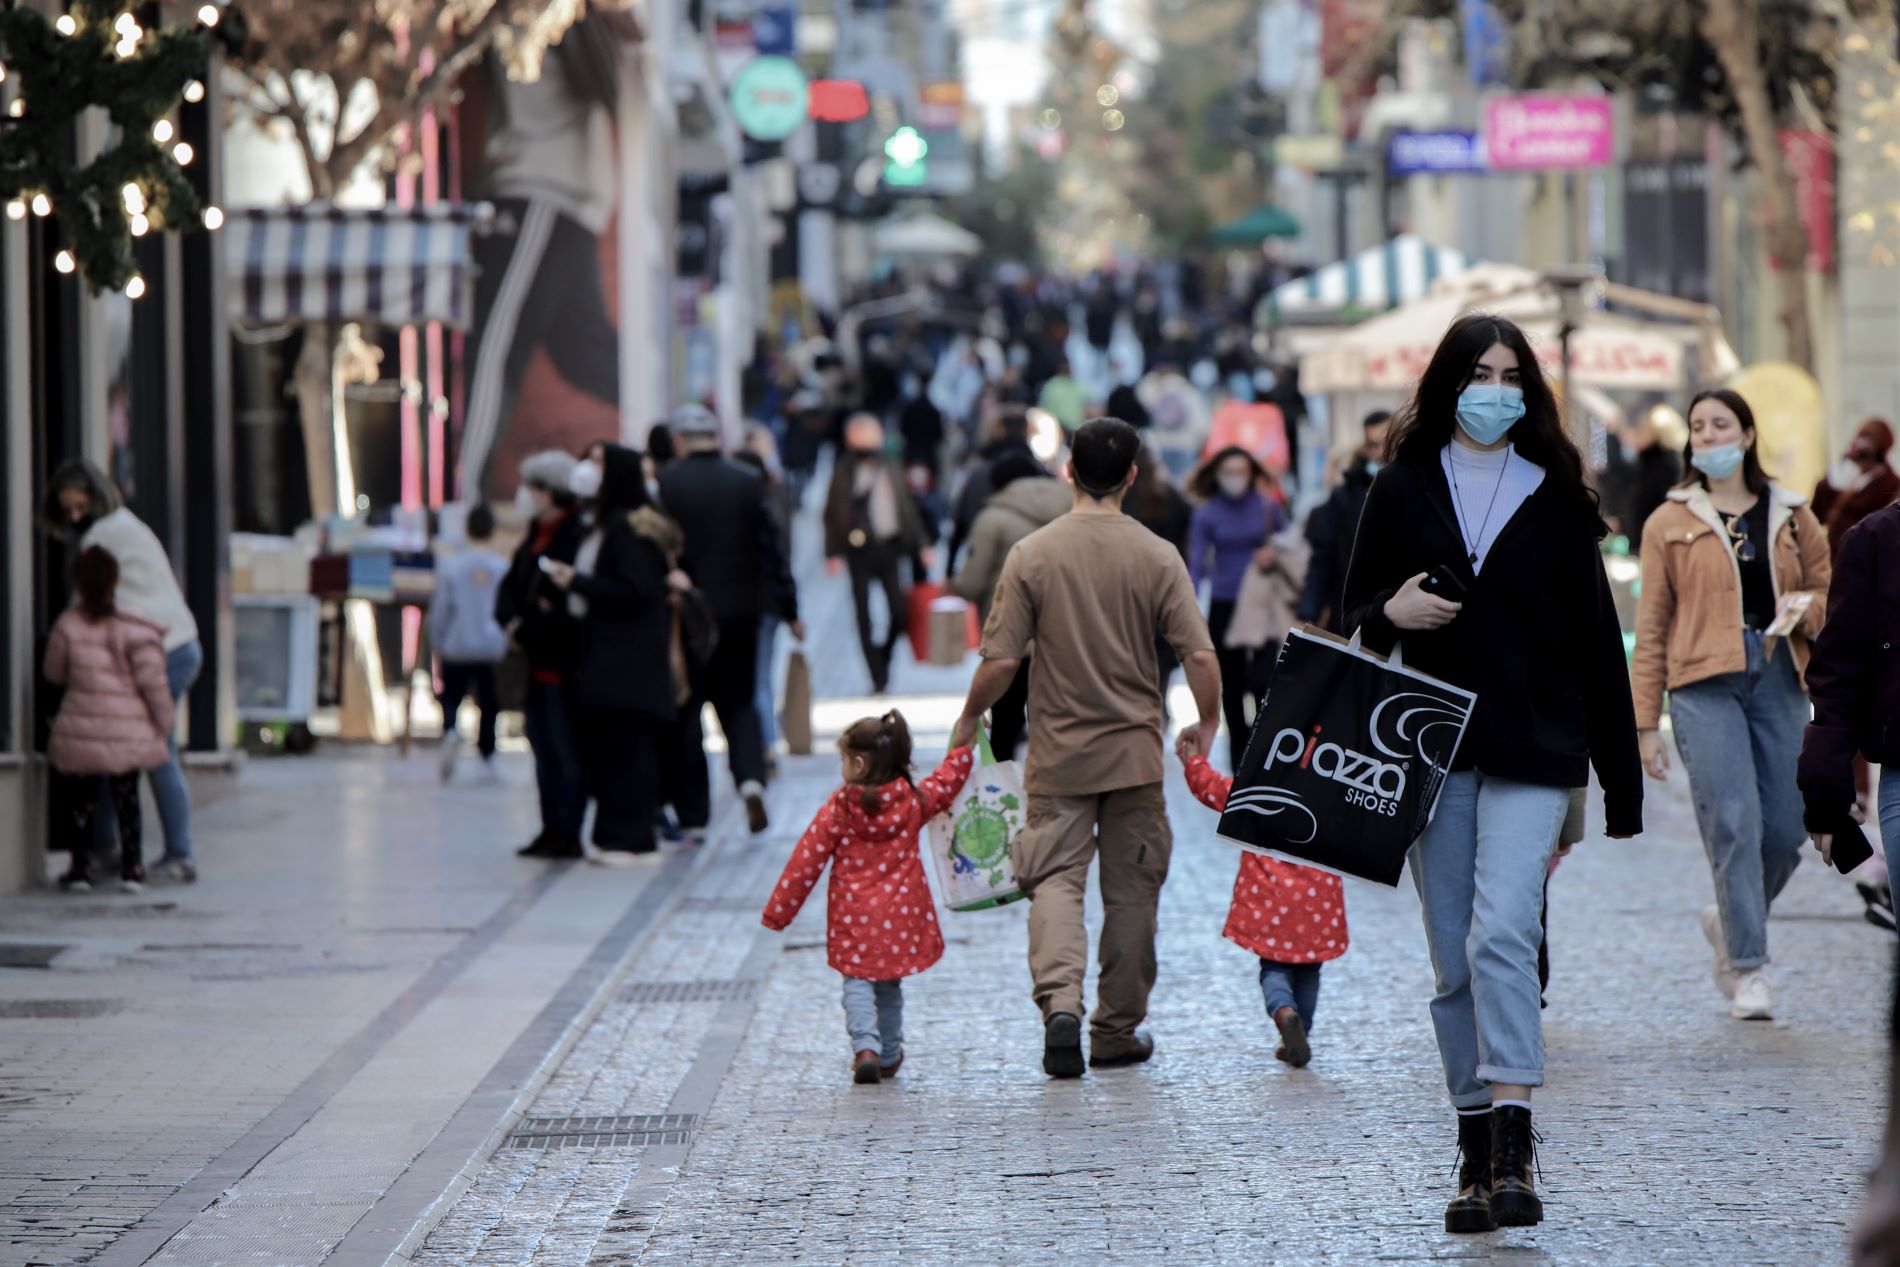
(1396, 660)
(984, 754)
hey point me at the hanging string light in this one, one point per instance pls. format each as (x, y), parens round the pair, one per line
(194, 91)
(42, 205)
(135, 289)
(67, 24)
(16, 210)
(213, 219)
(64, 262)
(184, 153)
(162, 131)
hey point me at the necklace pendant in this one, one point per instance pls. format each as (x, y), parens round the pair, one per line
(1473, 556)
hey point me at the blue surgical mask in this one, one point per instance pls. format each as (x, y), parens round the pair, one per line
(1488, 411)
(1718, 461)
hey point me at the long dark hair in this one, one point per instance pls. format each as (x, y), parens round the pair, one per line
(884, 743)
(1424, 425)
(1204, 483)
(95, 581)
(623, 482)
(1752, 473)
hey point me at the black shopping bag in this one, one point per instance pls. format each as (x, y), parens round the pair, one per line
(1347, 758)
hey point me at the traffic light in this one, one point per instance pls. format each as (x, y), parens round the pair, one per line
(905, 151)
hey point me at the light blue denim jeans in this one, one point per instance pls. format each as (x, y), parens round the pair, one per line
(766, 704)
(1890, 822)
(182, 666)
(1739, 736)
(874, 1015)
(1294, 985)
(1480, 870)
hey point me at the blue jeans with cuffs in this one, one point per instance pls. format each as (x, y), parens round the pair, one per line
(1479, 869)
(1294, 985)
(874, 1017)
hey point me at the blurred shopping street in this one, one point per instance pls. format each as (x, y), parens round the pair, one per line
(372, 1031)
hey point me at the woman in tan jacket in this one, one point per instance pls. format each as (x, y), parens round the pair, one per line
(1735, 575)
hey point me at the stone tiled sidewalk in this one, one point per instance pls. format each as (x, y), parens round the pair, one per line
(1674, 1133)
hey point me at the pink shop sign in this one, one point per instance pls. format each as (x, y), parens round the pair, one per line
(1538, 133)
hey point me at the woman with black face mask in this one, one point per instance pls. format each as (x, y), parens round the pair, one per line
(1484, 493)
(84, 506)
(630, 679)
(872, 524)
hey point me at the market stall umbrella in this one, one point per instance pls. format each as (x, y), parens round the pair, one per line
(925, 235)
(1655, 344)
(1263, 222)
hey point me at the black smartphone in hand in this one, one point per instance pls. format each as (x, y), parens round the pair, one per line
(1444, 583)
(1850, 847)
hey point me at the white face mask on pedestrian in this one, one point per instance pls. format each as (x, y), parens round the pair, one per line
(1235, 487)
(584, 481)
(525, 505)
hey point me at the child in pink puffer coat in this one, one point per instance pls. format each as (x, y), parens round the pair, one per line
(115, 717)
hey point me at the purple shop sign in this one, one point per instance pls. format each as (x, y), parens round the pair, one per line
(1539, 133)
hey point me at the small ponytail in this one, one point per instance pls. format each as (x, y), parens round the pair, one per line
(884, 745)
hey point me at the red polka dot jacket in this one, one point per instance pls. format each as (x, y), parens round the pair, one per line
(1282, 912)
(881, 921)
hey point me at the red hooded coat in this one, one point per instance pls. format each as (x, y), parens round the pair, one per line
(1282, 912)
(882, 920)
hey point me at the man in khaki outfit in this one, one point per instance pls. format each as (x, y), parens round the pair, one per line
(1090, 592)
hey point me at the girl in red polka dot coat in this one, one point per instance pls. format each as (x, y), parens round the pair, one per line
(881, 921)
(1293, 917)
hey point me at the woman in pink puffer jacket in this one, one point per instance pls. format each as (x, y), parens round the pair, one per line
(116, 714)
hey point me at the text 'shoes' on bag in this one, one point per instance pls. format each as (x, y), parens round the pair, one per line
(1347, 758)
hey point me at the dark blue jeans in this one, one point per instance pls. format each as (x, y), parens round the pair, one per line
(1294, 985)
(557, 761)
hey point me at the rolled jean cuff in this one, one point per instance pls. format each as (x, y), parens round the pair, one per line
(1495, 1074)
(1476, 1100)
(1750, 964)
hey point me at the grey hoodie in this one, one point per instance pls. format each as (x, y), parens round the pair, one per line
(1007, 517)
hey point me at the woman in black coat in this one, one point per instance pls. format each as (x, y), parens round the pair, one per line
(627, 680)
(1484, 493)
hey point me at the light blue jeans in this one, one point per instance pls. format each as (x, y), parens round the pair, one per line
(1294, 985)
(874, 1015)
(1480, 870)
(1890, 822)
(766, 705)
(182, 666)
(1739, 736)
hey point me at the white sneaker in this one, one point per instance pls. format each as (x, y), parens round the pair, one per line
(621, 857)
(1751, 997)
(451, 749)
(1724, 970)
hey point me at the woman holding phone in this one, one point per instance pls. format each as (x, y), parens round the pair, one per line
(1483, 488)
(1734, 567)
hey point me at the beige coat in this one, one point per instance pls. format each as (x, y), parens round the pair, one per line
(1689, 617)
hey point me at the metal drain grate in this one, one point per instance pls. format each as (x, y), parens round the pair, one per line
(688, 991)
(603, 1132)
(26, 955)
(57, 1009)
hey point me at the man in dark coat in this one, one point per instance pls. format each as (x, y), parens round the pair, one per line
(735, 555)
(1333, 525)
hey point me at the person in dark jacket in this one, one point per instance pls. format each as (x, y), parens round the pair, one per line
(628, 681)
(1123, 403)
(872, 525)
(1163, 509)
(534, 614)
(1643, 469)
(1483, 482)
(1854, 683)
(1333, 524)
(736, 555)
(1011, 435)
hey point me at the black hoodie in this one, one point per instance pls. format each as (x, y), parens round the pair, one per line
(626, 635)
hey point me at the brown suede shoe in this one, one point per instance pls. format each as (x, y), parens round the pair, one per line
(864, 1070)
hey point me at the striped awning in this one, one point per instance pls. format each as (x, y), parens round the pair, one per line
(394, 265)
(1384, 277)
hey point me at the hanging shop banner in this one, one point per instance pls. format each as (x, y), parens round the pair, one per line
(775, 31)
(771, 98)
(1810, 160)
(1434, 153)
(1487, 41)
(1666, 226)
(1535, 133)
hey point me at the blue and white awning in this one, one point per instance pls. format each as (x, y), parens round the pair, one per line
(395, 265)
(1401, 271)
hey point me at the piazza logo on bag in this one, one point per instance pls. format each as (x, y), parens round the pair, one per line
(1405, 728)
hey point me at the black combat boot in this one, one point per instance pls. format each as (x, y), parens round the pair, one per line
(1514, 1200)
(1470, 1210)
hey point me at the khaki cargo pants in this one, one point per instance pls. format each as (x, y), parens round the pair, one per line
(1128, 827)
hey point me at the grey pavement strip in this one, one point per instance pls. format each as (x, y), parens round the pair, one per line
(402, 1218)
(658, 1165)
(149, 1235)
